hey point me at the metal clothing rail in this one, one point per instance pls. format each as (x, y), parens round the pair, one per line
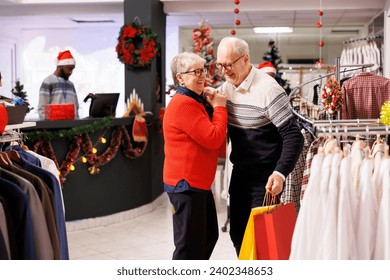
(351, 122)
(336, 73)
(353, 127)
(362, 39)
(12, 132)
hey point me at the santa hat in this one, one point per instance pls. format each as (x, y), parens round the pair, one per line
(267, 67)
(65, 58)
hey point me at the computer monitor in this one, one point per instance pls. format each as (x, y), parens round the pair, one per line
(103, 104)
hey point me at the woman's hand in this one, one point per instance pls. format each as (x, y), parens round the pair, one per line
(209, 92)
(215, 97)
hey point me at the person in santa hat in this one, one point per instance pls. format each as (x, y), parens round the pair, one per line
(56, 88)
(269, 68)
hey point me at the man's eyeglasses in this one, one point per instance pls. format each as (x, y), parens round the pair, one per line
(229, 65)
(197, 72)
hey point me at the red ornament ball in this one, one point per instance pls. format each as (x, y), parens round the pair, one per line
(236, 2)
(321, 43)
(210, 51)
(320, 13)
(236, 10)
(319, 24)
(238, 22)
(233, 32)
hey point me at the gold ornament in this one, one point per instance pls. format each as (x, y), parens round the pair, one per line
(93, 170)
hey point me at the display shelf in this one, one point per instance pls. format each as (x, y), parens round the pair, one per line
(19, 125)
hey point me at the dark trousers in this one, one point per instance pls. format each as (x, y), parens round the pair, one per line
(247, 190)
(195, 225)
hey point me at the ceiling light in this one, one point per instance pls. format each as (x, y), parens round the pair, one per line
(273, 29)
(92, 20)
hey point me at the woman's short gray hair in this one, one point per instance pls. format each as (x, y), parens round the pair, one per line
(183, 62)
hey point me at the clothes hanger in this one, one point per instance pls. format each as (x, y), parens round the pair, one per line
(13, 156)
(4, 160)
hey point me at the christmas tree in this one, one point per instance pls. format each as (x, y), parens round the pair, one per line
(18, 92)
(203, 46)
(272, 55)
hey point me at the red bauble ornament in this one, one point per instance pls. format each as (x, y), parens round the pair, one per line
(236, 10)
(236, 2)
(319, 24)
(238, 22)
(233, 32)
(321, 43)
(320, 13)
(210, 51)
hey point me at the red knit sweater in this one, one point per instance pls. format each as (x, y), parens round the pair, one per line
(192, 142)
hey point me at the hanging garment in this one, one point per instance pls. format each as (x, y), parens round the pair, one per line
(308, 163)
(346, 235)
(41, 237)
(329, 243)
(5, 250)
(21, 219)
(367, 213)
(363, 96)
(46, 198)
(305, 230)
(382, 242)
(319, 216)
(292, 189)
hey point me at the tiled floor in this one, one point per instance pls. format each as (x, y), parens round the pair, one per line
(145, 237)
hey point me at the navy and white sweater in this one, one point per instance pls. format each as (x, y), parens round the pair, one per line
(261, 126)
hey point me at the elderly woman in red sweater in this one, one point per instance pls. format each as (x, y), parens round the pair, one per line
(194, 130)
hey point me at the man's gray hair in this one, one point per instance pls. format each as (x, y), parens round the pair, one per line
(183, 62)
(240, 46)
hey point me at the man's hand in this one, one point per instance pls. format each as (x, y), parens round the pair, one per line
(274, 184)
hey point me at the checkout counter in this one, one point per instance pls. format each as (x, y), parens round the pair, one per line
(123, 183)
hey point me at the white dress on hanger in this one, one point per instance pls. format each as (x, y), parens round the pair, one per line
(346, 236)
(382, 242)
(304, 231)
(367, 213)
(329, 221)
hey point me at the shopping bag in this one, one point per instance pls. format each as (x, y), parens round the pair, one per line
(273, 232)
(248, 245)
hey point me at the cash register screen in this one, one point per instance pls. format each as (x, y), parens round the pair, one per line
(103, 105)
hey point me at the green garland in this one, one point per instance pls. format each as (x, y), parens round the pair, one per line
(69, 133)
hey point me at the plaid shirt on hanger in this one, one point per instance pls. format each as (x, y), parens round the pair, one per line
(364, 95)
(292, 190)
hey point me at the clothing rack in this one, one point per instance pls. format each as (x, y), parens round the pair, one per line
(12, 132)
(363, 39)
(367, 127)
(336, 73)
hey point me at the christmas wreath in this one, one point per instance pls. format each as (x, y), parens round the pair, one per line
(137, 45)
(331, 96)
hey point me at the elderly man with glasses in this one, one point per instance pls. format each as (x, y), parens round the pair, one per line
(266, 140)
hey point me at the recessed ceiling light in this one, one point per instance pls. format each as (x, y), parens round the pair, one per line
(273, 29)
(92, 20)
